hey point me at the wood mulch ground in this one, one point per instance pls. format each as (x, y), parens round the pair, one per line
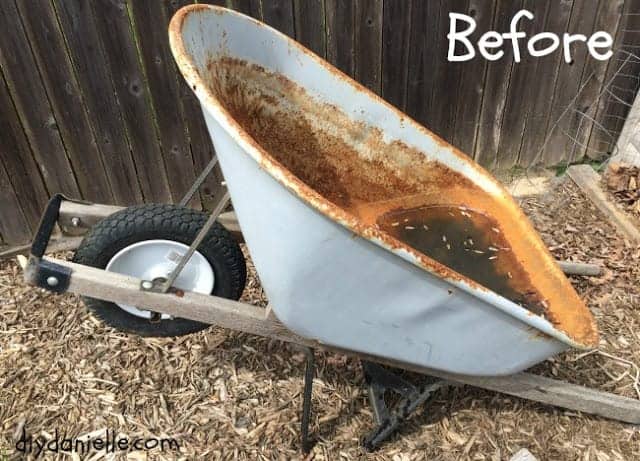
(225, 395)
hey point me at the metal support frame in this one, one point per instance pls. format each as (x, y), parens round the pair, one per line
(198, 182)
(215, 213)
(380, 380)
(222, 204)
(309, 373)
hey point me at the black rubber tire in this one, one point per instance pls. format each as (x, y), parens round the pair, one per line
(169, 222)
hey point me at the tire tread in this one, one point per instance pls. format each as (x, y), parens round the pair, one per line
(171, 222)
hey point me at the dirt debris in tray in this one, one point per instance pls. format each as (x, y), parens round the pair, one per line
(344, 160)
(225, 395)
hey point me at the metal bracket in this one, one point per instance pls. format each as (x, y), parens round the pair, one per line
(45, 274)
(48, 275)
(379, 380)
(157, 285)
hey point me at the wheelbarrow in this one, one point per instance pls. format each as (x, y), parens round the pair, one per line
(370, 234)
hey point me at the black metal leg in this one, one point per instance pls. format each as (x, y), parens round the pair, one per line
(380, 380)
(309, 373)
(376, 400)
(47, 224)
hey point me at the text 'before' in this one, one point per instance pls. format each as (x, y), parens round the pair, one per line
(491, 43)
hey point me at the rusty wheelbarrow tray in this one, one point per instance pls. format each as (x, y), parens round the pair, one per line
(369, 232)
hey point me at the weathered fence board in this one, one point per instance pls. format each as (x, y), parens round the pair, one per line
(25, 180)
(521, 92)
(112, 21)
(62, 89)
(340, 17)
(79, 31)
(422, 57)
(249, 7)
(94, 107)
(310, 25)
(447, 75)
(471, 90)
(150, 22)
(610, 113)
(30, 98)
(368, 34)
(594, 81)
(199, 140)
(395, 51)
(629, 39)
(496, 90)
(568, 83)
(11, 229)
(279, 14)
(535, 131)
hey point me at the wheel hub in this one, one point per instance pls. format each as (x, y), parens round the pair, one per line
(154, 259)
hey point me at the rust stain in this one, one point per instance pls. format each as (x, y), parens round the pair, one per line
(177, 22)
(535, 334)
(347, 170)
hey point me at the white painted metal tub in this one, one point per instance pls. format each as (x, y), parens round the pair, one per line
(330, 277)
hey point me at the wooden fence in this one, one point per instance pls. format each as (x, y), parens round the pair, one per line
(92, 105)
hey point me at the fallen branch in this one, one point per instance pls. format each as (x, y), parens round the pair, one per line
(572, 268)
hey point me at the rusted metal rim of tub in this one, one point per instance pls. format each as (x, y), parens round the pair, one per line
(587, 338)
